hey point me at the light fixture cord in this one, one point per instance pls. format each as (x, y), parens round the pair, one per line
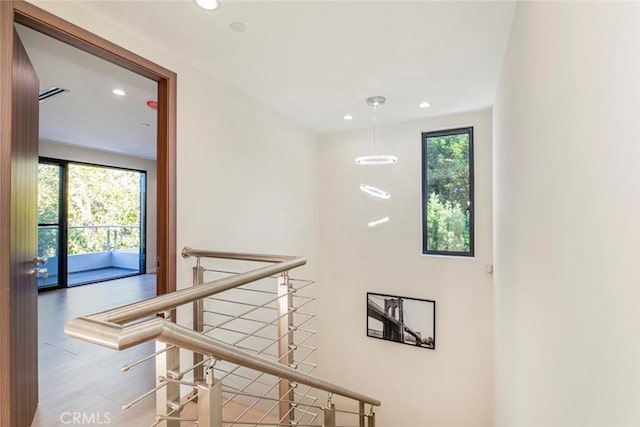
(371, 149)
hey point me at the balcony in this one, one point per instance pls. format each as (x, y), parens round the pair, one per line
(96, 253)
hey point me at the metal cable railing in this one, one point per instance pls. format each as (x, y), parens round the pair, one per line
(250, 351)
(263, 307)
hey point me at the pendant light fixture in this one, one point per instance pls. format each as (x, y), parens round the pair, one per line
(375, 154)
(375, 192)
(372, 155)
(378, 222)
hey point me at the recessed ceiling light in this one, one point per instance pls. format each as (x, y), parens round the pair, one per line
(348, 117)
(424, 104)
(146, 125)
(119, 92)
(208, 4)
(238, 27)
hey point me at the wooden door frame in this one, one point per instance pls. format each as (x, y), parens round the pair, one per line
(38, 19)
(19, 11)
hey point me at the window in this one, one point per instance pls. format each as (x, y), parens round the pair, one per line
(447, 192)
(91, 222)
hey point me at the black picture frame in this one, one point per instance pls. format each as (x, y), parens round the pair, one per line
(388, 314)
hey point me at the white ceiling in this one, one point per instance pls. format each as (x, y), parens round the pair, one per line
(89, 114)
(315, 61)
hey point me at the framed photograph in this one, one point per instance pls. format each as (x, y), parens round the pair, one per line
(405, 320)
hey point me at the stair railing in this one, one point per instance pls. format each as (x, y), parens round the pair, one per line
(226, 351)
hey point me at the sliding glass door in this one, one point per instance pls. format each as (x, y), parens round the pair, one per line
(99, 230)
(105, 223)
(51, 178)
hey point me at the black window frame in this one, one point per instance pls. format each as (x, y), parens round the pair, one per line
(448, 132)
(64, 223)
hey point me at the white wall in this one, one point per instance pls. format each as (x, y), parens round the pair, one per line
(57, 150)
(246, 175)
(567, 209)
(453, 385)
(248, 182)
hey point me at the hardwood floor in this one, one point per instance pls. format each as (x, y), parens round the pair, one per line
(78, 377)
(82, 380)
(231, 411)
(83, 277)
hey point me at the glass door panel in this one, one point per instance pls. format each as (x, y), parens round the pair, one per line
(49, 222)
(105, 223)
(91, 223)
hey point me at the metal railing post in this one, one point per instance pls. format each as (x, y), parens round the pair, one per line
(115, 329)
(168, 397)
(372, 420)
(210, 401)
(198, 321)
(329, 416)
(285, 346)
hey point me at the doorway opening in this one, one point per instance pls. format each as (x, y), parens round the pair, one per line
(97, 203)
(18, 144)
(91, 223)
(96, 145)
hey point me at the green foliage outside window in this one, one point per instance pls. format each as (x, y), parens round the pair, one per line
(48, 193)
(48, 197)
(103, 197)
(103, 209)
(447, 225)
(447, 192)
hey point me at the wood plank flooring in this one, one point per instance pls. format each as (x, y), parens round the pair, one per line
(232, 411)
(85, 379)
(78, 377)
(83, 277)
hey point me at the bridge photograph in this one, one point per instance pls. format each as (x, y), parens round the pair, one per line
(401, 319)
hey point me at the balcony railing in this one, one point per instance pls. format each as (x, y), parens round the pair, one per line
(103, 238)
(95, 252)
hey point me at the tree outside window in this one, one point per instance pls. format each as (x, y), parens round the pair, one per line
(447, 192)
